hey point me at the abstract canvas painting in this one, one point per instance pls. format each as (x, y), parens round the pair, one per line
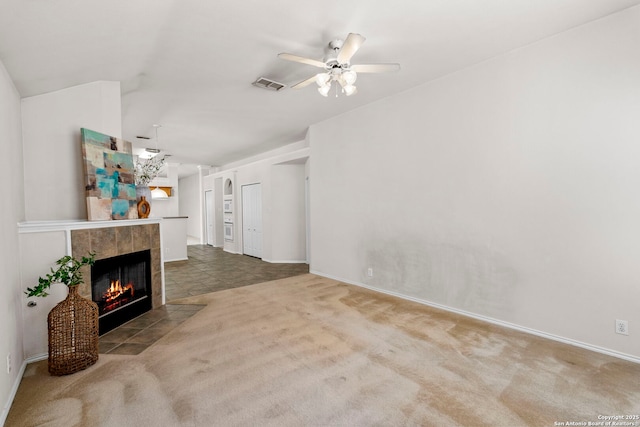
(109, 179)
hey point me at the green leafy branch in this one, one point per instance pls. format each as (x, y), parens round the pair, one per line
(68, 273)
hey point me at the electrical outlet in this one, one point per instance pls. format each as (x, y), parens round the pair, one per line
(622, 327)
(9, 363)
(369, 272)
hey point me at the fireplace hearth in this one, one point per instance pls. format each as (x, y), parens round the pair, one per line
(121, 287)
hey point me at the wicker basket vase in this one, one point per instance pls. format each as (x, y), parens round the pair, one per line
(73, 334)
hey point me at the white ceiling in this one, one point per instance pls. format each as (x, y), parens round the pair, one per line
(189, 64)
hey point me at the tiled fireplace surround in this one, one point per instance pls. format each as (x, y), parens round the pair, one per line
(107, 242)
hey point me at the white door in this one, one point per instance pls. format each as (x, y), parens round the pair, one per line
(209, 219)
(252, 220)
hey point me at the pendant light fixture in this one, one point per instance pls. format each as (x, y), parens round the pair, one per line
(157, 193)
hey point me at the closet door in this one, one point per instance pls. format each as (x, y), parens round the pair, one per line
(252, 220)
(247, 221)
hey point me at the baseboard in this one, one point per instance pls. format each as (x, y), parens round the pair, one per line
(36, 358)
(491, 320)
(280, 261)
(14, 389)
(177, 259)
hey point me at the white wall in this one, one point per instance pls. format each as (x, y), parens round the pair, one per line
(507, 190)
(288, 220)
(190, 204)
(38, 253)
(53, 170)
(11, 172)
(174, 239)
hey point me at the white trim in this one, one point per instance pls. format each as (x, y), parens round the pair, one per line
(232, 252)
(36, 358)
(163, 301)
(176, 259)
(296, 154)
(14, 390)
(285, 261)
(67, 235)
(513, 326)
(45, 226)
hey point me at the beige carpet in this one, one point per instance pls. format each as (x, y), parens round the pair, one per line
(311, 351)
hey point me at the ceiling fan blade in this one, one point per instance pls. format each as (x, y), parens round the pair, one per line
(301, 59)
(375, 68)
(350, 47)
(304, 83)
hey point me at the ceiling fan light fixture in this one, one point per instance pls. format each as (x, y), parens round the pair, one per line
(349, 77)
(337, 66)
(349, 89)
(324, 90)
(322, 79)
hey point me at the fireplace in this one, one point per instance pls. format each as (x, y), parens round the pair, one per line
(121, 287)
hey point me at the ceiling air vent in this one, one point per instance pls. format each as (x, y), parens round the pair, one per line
(268, 84)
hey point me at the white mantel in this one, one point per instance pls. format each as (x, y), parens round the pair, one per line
(28, 226)
(44, 226)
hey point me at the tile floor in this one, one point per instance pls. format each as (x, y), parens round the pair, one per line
(207, 270)
(212, 269)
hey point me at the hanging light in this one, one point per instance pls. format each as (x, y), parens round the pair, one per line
(158, 193)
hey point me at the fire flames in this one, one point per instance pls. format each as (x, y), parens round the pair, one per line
(117, 294)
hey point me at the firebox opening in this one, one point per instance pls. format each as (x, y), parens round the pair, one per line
(121, 287)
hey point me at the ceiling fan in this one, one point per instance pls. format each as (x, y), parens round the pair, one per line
(338, 67)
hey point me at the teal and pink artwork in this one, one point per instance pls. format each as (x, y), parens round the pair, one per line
(109, 177)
